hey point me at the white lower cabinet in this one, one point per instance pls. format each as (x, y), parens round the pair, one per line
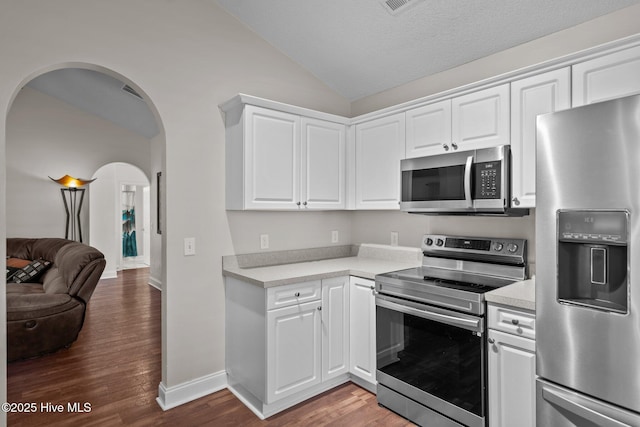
(362, 326)
(293, 349)
(287, 343)
(512, 367)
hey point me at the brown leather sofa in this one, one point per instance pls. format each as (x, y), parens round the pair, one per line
(47, 315)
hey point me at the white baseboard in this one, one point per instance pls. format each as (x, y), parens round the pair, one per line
(109, 274)
(170, 397)
(155, 283)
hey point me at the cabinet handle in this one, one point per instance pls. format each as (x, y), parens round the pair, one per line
(297, 294)
(446, 147)
(515, 201)
(305, 203)
(298, 203)
(515, 321)
(454, 145)
(491, 340)
(320, 308)
(372, 287)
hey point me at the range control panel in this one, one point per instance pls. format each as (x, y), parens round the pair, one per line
(481, 248)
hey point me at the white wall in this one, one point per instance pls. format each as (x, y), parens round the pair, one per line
(47, 137)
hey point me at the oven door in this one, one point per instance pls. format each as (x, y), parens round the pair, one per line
(432, 356)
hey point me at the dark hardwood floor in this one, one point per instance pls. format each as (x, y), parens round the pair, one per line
(115, 367)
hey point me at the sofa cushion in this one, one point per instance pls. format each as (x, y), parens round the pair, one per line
(34, 305)
(53, 283)
(31, 272)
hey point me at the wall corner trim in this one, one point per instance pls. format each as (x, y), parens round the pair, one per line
(170, 397)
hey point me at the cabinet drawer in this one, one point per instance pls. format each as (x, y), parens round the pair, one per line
(516, 322)
(286, 295)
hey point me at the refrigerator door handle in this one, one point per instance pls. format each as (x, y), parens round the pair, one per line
(571, 403)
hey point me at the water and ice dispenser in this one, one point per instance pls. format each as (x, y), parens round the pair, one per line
(593, 259)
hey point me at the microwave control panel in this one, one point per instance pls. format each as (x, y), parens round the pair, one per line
(488, 178)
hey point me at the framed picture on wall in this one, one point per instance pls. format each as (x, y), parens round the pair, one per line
(158, 198)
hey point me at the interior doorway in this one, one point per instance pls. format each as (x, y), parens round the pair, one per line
(120, 217)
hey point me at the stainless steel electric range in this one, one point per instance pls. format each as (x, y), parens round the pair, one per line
(430, 320)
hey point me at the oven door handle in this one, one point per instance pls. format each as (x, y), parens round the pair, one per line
(451, 320)
(467, 182)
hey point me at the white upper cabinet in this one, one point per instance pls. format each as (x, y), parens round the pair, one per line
(378, 151)
(272, 159)
(428, 130)
(278, 160)
(540, 94)
(607, 77)
(323, 164)
(480, 119)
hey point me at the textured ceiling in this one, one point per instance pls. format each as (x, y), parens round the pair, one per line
(358, 48)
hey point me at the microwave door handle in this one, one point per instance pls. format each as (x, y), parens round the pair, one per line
(467, 182)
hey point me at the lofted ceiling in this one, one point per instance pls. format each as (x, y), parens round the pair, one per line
(361, 47)
(356, 47)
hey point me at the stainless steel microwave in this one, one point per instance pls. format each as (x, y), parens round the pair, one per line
(475, 182)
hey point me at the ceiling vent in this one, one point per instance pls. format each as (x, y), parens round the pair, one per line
(396, 7)
(131, 90)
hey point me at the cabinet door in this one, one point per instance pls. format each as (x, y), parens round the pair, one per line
(335, 327)
(362, 329)
(428, 130)
(611, 76)
(379, 148)
(323, 165)
(481, 119)
(512, 375)
(293, 350)
(272, 159)
(540, 94)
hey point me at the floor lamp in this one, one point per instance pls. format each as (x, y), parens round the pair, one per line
(70, 192)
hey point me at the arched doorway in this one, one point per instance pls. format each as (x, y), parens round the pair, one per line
(33, 205)
(120, 217)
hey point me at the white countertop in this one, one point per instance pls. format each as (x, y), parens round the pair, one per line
(371, 260)
(519, 295)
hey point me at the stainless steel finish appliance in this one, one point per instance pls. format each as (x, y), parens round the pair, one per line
(587, 289)
(430, 326)
(476, 182)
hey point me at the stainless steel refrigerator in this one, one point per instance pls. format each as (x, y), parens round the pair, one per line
(588, 265)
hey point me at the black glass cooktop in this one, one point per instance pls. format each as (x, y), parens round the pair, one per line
(420, 275)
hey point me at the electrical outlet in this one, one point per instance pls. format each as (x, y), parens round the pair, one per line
(394, 238)
(189, 246)
(334, 236)
(264, 241)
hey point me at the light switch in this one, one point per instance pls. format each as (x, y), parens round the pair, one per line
(334, 236)
(189, 246)
(394, 238)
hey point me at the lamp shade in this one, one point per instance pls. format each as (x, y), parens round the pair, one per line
(71, 182)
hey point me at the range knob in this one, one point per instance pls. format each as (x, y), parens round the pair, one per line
(428, 241)
(439, 242)
(512, 247)
(497, 246)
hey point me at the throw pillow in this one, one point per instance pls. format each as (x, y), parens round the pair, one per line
(10, 271)
(17, 262)
(30, 272)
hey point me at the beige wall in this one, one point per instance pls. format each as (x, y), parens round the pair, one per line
(186, 57)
